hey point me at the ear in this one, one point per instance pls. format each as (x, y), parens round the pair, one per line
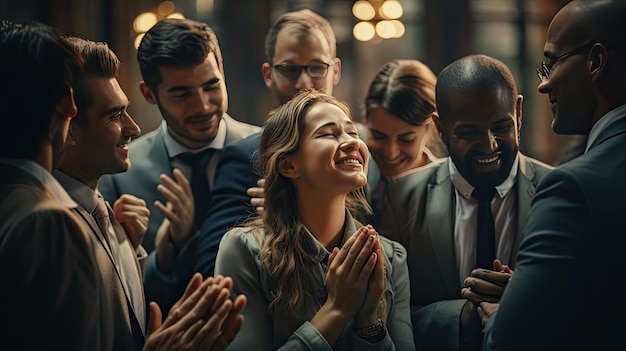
(439, 126)
(67, 106)
(337, 71)
(287, 167)
(518, 111)
(597, 60)
(147, 93)
(267, 74)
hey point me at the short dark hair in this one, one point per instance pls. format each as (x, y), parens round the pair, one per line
(100, 61)
(475, 72)
(176, 43)
(38, 68)
(303, 22)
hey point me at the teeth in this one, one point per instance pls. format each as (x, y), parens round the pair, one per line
(487, 160)
(349, 160)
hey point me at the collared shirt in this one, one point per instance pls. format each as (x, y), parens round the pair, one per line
(87, 199)
(174, 148)
(604, 122)
(42, 175)
(504, 213)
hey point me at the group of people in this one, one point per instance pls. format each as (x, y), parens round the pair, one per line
(422, 228)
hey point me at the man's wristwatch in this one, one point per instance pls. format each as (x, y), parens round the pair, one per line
(373, 333)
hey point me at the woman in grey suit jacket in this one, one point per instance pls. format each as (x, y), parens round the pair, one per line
(315, 278)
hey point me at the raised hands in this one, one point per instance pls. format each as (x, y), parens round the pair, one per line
(203, 319)
(354, 282)
(178, 225)
(133, 215)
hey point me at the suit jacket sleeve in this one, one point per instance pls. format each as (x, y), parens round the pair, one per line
(229, 203)
(54, 282)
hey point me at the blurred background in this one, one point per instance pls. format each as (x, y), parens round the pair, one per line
(369, 33)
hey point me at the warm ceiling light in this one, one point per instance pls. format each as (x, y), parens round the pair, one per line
(165, 8)
(399, 28)
(385, 29)
(391, 9)
(144, 22)
(363, 31)
(363, 10)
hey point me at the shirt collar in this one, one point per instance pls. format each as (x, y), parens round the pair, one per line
(612, 116)
(43, 176)
(318, 250)
(80, 192)
(465, 188)
(174, 148)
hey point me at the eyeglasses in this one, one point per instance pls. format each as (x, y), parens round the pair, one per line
(315, 70)
(546, 66)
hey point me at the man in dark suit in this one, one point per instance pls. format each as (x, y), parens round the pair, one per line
(432, 211)
(52, 296)
(301, 53)
(564, 293)
(182, 69)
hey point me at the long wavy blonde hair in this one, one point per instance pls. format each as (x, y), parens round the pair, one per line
(285, 259)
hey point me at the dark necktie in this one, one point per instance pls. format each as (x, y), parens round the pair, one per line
(198, 163)
(486, 233)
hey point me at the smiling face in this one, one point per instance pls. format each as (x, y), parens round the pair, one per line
(331, 157)
(480, 129)
(570, 86)
(192, 101)
(99, 141)
(396, 145)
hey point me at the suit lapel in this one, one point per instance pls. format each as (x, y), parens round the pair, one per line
(440, 214)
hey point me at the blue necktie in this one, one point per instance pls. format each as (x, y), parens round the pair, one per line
(486, 232)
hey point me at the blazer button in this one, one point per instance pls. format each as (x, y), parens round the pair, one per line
(322, 294)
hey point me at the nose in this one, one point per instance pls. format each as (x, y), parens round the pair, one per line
(391, 151)
(349, 143)
(544, 86)
(131, 129)
(201, 102)
(304, 80)
(489, 140)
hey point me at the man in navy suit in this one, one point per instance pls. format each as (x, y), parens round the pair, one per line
(564, 292)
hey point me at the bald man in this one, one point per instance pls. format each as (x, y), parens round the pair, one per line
(563, 294)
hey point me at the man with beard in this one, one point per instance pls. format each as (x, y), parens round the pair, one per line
(433, 213)
(182, 69)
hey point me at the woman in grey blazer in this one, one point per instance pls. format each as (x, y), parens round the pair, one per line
(314, 277)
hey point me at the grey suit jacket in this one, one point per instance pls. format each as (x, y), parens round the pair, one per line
(419, 213)
(149, 159)
(121, 279)
(52, 296)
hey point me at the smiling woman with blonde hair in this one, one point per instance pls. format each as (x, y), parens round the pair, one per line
(315, 278)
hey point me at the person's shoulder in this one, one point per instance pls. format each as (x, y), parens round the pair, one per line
(394, 251)
(250, 237)
(144, 141)
(242, 129)
(421, 175)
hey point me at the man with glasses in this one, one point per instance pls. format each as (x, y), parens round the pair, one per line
(563, 294)
(301, 53)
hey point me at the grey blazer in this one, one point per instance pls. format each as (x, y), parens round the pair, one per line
(149, 159)
(273, 328)
(418, 212)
